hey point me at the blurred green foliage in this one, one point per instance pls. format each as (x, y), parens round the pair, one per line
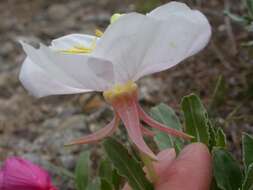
(246, 20)
(145, 6)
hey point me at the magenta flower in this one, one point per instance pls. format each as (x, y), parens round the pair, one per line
(20, 174)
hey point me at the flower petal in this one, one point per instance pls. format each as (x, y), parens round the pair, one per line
(71, 40)
(23, 175)
(166, 10)
(128, 112)
(152, 123)
(40, 83)
(77, 73)
(138, 45)
(98, 135)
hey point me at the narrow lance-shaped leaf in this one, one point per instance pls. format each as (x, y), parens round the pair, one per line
(226, 170)
(247, 149)
(166, 115)
(220, 138)
(116, 179)
(196, 120)
(248, 179)
(126, 165)
(82, 171)
(105, 170)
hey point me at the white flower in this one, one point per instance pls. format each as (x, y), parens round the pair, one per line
(133, 46)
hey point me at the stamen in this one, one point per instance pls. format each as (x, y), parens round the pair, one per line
(99, 33)
(120, 91)
(80, 49)
(98, 135)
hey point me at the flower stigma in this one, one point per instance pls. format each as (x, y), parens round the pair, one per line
(120, 91)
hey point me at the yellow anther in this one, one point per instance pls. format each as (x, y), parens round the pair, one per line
(99, 33)
(80, 49)
(120, 90)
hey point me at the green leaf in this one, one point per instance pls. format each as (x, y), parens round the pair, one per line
(105, 185)
(226, 170)
(82, 171)
(166, 115)
(116, 179)
(212, 138)
(105, 170)
(145, 6)
(220, 138)
(250, 7)
(247, 149)
(126, 165)
(196, 119)
(248, 180)
(214, 185)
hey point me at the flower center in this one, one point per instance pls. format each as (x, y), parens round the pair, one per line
(119, 91)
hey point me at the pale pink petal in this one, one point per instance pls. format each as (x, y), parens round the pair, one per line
(98, 135)
(147, 119)
(128, 112)
(22, 174)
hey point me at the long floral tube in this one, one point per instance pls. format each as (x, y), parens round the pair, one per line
(108, 130)
(151, 122)
(128, 113)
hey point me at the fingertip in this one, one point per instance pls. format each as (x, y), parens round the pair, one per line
(191, 169)
(195, 150)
